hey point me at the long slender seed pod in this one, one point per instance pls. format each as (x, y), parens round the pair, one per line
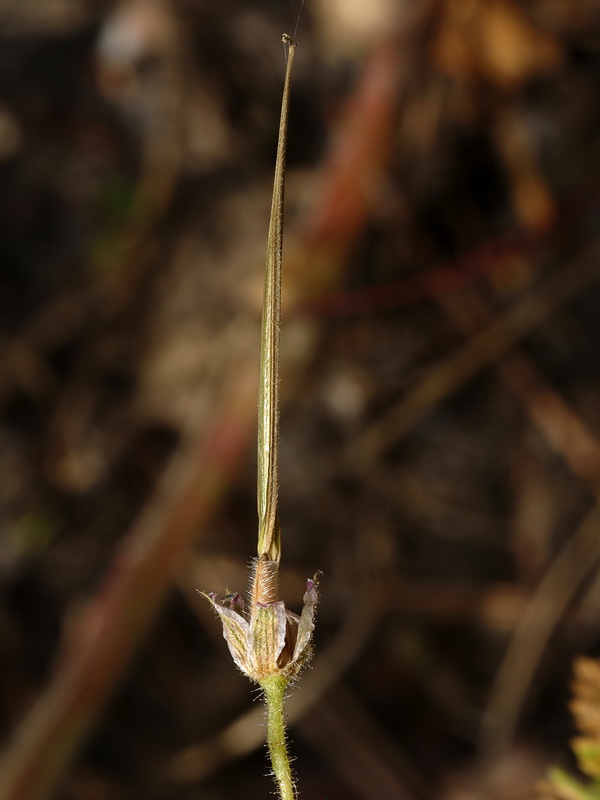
(268, 643)
(269, 540)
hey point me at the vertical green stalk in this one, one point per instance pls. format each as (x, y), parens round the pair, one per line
(274, 688)
(269, 537)
(269, 644)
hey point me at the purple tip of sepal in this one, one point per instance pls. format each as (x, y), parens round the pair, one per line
(239, 602)
(311, 592)
(234, 601)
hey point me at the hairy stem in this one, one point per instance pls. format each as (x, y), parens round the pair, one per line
(274, 688)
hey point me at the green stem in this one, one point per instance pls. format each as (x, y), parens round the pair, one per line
(274, 688)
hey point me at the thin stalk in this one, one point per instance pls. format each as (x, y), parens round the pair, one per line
(274, 688)
(269, 540)
(269, 536)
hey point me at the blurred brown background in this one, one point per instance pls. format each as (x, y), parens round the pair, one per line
(440, 451)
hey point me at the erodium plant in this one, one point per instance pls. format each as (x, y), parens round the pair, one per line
(268, 643)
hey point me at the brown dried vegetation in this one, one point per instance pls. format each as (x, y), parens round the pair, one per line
(439, 456)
